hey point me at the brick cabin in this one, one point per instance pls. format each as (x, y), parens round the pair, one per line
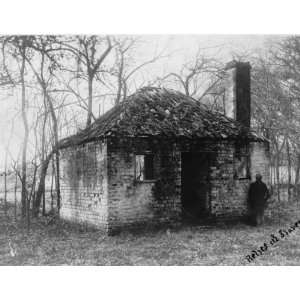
(162, 157)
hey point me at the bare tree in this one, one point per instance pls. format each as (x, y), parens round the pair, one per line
(286, 57)
(126, 67)
(197, 77)
(90, 52)
(39, 45)
(16, 48)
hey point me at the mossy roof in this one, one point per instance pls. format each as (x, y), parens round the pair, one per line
(161, 113)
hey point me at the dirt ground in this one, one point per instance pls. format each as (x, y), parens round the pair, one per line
(59, 243)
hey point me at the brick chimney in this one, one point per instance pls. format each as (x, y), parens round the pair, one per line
(237, 92)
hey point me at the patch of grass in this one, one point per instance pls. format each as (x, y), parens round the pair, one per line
(60, 243)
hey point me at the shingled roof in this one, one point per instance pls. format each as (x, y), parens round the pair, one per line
(160, 112)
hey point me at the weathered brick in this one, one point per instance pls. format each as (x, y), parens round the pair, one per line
(99, 185)
(84, 184)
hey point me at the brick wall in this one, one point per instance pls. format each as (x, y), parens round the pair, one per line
(229, 195)
(84, 184)
(133, 203)
(99, 186)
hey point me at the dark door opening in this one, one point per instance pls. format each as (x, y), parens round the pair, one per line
(195, 184)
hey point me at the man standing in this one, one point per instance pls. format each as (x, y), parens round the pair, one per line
(257, 199)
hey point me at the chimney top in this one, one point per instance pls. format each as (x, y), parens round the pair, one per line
(235, 64)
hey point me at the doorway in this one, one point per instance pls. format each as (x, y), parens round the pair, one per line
(195, 184)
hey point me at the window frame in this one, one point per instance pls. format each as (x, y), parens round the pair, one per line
(145, 180)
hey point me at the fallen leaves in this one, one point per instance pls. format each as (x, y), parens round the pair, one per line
(61, 243)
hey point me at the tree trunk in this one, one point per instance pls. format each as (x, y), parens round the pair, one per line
(186, 89)
(271, 172)
(30, 197)
(5, 186)
(44, 204)
(41, 187)
(90, 101)
(277, 162)
(44, 149)
(52, 181)
(25, 139)
(16, 187)
(125, 89)
(297, 173)
(277, 176)
(32, 192)
(56, 151)
(289, 169)
(120, 81)
(57, 181)
(37, 200)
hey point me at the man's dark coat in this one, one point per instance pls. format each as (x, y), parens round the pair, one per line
(258, 195)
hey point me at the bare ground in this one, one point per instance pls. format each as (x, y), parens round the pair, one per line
(60, 243)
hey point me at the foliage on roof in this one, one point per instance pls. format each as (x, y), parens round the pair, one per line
(164, 113)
